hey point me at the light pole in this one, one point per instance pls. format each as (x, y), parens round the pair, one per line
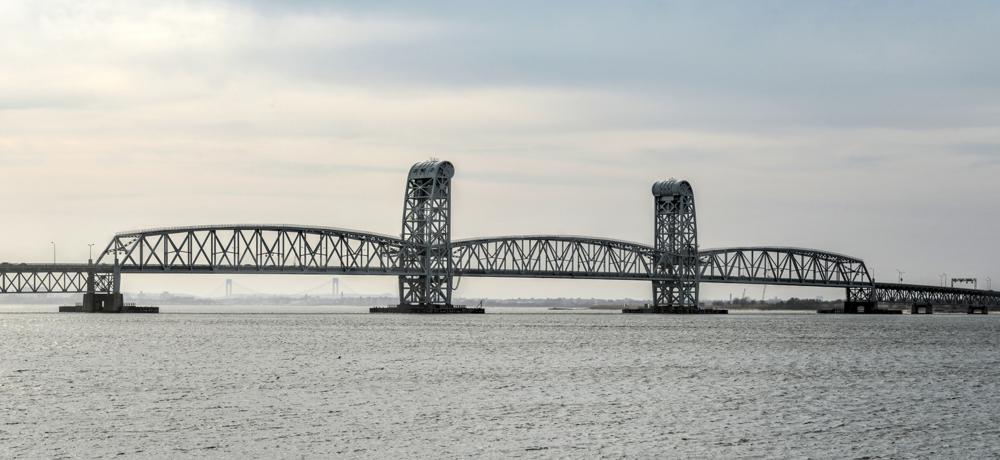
(53, 252)
(91, 245)
(901, 273)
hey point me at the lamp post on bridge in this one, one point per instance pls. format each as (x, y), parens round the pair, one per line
(91, 245)
(901, 273)
(53, 252)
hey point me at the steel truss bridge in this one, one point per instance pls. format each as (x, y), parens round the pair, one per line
(427, 261)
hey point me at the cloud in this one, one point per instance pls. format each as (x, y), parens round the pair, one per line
(104, 54)
(813, 124)
(847, 64)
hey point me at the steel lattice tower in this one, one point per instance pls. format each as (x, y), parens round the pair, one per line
(427, 236)
(676, 236)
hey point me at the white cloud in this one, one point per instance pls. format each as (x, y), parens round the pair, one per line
(118, 115)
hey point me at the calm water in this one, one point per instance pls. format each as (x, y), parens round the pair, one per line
(499, 385)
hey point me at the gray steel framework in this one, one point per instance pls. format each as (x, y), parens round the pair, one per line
(55, 278)
(861, 295)
(676, 240)
(427, 234)
(551, 256)
(789, 266)
(255, 249)
(425, 259)
(322, 250)
(933, 295)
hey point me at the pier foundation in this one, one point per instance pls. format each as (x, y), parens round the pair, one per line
(106, 303)
(922, 309)
(859, 307)
(669, 310)
(102, 303)
(429, 309)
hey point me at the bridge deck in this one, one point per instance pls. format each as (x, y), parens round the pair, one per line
(528, 257)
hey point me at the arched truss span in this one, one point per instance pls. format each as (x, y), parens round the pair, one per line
(255, 249)
(325, 250)
(551, 256)
(779, 265)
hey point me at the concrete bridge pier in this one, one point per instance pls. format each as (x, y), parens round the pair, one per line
(860, 307)
(979, 310)
(103, 303)
(922, 309)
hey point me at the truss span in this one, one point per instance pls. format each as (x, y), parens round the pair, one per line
(53, 278)
(893, 293)
(255, 249)
(551, 256)
(779, 265)
(325, 250)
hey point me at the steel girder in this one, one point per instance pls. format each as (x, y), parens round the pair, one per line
(255, 249)
(427, 236)
(676, 241)
(775, 265)
(550, 256)
(54, 278)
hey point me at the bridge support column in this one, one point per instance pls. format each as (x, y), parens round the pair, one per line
(922, 309)
(427, 242)
(978, 310)
(676, 242)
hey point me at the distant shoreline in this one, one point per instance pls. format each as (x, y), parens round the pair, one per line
(562, 303)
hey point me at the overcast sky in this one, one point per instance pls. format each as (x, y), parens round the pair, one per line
(866, 128)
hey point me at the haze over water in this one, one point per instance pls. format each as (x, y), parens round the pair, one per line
(525, 385)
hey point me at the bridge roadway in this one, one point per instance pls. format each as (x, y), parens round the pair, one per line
(283, 249)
